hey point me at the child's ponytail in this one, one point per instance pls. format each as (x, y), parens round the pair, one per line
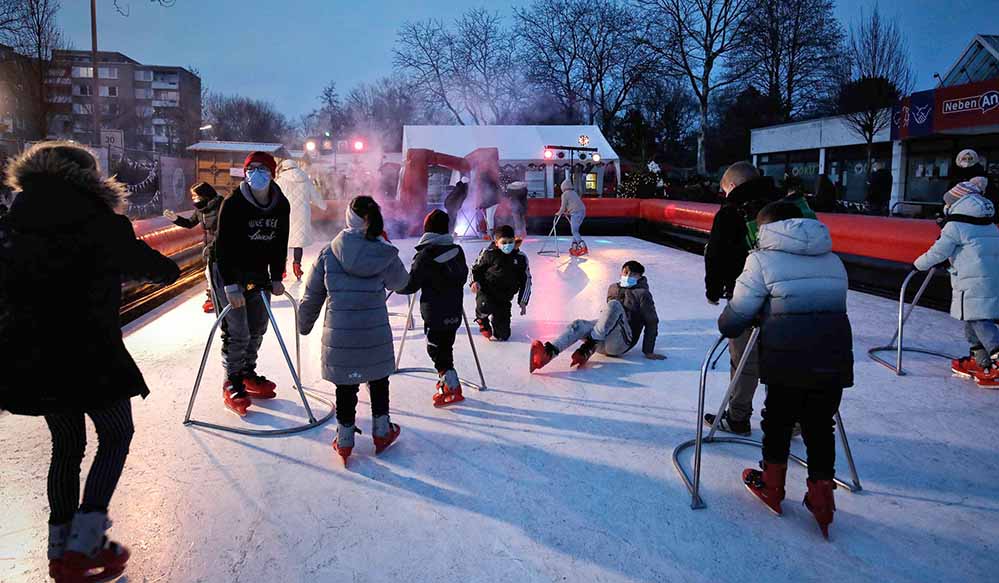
(366, 208)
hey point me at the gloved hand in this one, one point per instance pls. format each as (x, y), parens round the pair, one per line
(475, 287)
(236, 299)
(523, 310)
(277, 288)
(170, 215)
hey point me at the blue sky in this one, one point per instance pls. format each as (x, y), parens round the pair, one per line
(286, 51)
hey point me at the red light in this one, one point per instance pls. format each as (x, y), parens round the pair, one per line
(549, 154)
(358, 146)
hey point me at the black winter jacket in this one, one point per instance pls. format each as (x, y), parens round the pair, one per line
(252, 243)
(641, 310)
(64, 253)
(501, 276)
(729, 243)
(439, 271)
(206, 215)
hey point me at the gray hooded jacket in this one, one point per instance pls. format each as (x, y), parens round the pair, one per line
(796, 287)
(354, 272)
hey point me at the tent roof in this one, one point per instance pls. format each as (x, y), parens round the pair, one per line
(513, 142)
(213, 146)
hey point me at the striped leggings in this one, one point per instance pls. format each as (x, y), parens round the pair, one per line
(69, 441)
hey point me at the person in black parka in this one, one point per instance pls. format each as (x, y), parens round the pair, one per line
(64, 252)
(440, 271)
(206, 213)
(733, 235)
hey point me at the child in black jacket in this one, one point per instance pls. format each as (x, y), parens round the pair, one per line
(206, 213)
(439, 271)
(500, 273)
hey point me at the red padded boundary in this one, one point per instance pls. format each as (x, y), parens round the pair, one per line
(602, 208)
(166, 237)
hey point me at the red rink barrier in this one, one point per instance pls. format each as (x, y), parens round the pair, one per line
(166, 237)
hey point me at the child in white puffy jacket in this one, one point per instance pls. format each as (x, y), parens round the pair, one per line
(970, 241)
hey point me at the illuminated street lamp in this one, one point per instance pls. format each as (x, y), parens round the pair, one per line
(596, 157)
(549, 154)
(358, 145)
(310, 146)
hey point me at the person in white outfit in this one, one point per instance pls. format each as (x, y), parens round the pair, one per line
(574, 209)
(301, 195)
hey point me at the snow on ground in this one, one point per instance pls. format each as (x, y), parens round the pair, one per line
(560, 476)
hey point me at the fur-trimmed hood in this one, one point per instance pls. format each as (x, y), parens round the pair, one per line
(50, 187)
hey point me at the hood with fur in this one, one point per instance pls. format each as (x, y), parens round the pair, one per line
(40, 167)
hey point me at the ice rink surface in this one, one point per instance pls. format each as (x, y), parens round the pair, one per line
(559, 476)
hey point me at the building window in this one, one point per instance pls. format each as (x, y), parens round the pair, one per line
(83, 72)
(110, 108)
(143, 93)
(107, 72)
(82, 108)
(591, 182)
(143, 75)
(83, 90)
(143, 111)
(535, 182)
(108, 91)
(167, 95)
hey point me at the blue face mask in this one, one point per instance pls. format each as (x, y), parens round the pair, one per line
(628, 281)
(507, 248)
(258, 178)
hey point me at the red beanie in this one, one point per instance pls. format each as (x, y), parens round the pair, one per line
(261, 158)
(436, 221)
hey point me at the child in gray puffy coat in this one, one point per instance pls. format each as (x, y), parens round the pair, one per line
(970, 241)
(353, 272)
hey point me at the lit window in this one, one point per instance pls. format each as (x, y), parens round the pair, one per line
(109, 91)
(591, 182)
(83, 72)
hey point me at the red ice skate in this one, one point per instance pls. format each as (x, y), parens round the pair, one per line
(235, 399)
(296, 268)
(582, 249)
(208, 306)
(484, 328)
(582, 354)
(988, 378)
(574, 249)
(966, 367)
(107, 565)
(343, 443)
(384, 433)
(541, 354)
(448, 389)
(767, 485)
(258, 387)
(819, 500)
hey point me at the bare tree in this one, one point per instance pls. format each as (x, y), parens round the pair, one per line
(126, 9)
(379, 111)
(880, 75)
(695, 40)
(793, 51)
(469, 69)
(552, 48)
(10, 20)
(237, 118)
(37, 37)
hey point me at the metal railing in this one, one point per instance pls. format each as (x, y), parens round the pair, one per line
(694, 484)
(295, 369)
(552, 239)
(903, 316)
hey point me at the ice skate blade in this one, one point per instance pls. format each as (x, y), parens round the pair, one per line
(237, 410)
(261, 396)
(776, 513)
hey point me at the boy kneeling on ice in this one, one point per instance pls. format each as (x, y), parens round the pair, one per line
(440, 272)
(630, 311)
(500, 274)
(971, 242)
(795, 288)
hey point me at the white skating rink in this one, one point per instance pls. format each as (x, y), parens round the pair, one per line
(559, 476)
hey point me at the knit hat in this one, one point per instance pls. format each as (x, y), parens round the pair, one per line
(204, 190)
(967, 158)
(976, 185)
(437, 222)
(261, 158)
(567, 185)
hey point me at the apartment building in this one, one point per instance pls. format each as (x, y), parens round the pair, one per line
(156, 108)
(17, 111)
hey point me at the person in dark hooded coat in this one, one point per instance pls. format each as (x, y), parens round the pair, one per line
(64, 252)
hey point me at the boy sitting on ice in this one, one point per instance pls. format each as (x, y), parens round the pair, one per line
(500, 273)
(629, 313)
(796, 288)
(440, 272)
(970, 241)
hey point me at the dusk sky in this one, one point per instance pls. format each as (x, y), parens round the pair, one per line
(285, 52)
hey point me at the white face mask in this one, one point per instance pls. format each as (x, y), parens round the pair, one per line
(507, 248)
(628, 281)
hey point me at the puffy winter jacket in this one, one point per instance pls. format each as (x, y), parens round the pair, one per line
(971, 242)
(439, 271)
(572, 204)
(503, 276)
(64, 253)
(205, 214)
(641, 309)
(796, 287)
(301, 194)
(731, 238)
(354, 272)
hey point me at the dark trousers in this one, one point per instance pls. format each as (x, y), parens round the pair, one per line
(242, 330)
(814, 408)
(69, 442)
(440, 347)
(496, 312)
(346, 400)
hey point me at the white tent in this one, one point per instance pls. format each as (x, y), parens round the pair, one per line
(516, 144)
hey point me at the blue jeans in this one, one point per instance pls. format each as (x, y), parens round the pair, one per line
(576, 221)
(610, 331)
(984, 338)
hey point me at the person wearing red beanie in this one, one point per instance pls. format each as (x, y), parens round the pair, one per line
(251, 250)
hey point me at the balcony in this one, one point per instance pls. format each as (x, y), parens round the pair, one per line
(166, 85)
(160, 103)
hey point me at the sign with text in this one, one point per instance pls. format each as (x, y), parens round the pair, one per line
(967, 106)
(113, 138)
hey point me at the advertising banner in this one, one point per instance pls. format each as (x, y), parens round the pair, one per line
(967, 106)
